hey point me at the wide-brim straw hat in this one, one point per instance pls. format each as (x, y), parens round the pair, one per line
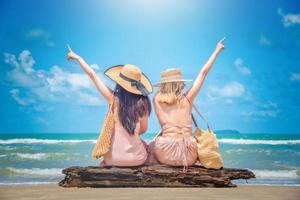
(130, 78)
(172, 75)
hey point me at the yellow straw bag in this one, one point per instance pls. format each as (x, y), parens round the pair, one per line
(103, 143)
(207, 145)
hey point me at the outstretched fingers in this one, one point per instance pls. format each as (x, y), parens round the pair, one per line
(69, 48)
(222, 40)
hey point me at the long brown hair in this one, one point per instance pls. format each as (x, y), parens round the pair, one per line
(131, 108)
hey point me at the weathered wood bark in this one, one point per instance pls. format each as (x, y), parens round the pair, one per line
(151, 176)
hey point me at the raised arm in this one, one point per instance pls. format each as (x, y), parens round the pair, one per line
(105, 91)
(193, 91)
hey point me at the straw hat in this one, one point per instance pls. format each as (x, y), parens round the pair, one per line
(171, 75)
(130, 78)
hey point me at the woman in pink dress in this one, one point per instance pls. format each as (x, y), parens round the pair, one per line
(176, 145)
(131, 108)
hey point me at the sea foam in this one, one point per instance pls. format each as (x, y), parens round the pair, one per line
(36, 171)
(33, 156)
(28, 183)
(276, 173)
(41, 156)
(249, 141)
(42, 141)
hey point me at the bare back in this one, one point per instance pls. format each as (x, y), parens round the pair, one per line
(174, 119)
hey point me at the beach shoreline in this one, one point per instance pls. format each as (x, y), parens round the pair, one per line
(40, 158)
(53, 191)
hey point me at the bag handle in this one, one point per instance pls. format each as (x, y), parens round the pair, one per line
(111, 105)
(198, 112)
(99, 151)
(194, 121)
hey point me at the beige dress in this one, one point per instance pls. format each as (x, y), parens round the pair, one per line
(125, 149)
(175, 146)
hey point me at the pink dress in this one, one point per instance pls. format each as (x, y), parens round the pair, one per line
(175, 146)
(125, 149)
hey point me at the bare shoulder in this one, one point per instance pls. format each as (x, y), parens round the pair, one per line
(111, 98)
(155, 99)
(114, 102)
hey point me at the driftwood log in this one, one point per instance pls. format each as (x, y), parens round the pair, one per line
(151, 176)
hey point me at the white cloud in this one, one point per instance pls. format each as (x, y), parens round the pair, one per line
(263, 109)
(50, 44)
(23, 74)
(295, 77)
(21, 79)
(233, 89)
(26, 61)
(11, 60)
(78, 81)
(56, 80)
(289, 19)
(59, 79)
(264, 41)
(209, 96)
(15, 93)
(40, 120)
(260, 113)
(54, 85)
(38, 33)
(270, 104)
(239, 64)
(88, 99)
(95, 66)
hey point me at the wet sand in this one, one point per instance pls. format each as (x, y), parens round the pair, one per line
(24, 192)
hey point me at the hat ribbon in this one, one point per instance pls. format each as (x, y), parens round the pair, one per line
(136, 84)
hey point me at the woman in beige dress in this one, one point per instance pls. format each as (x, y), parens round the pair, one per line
(176, 145)
(131, 109)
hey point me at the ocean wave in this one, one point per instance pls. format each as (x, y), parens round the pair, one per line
(262, 151)
(247, 151)
(28, 183)
(223, 140)
(42, 156)
(6, 149)
(276, 173)
(248, 141)
(42, 141)
(33, 156)
(32, 171)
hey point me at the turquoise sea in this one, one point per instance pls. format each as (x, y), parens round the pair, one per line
(39, 158)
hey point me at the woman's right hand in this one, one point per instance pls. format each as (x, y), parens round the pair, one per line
(220, 46)
(71, 55)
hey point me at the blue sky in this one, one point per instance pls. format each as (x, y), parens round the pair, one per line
(254, 86)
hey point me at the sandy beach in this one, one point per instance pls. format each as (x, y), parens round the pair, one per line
(24, 192)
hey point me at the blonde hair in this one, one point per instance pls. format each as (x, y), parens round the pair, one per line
(170, 92)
